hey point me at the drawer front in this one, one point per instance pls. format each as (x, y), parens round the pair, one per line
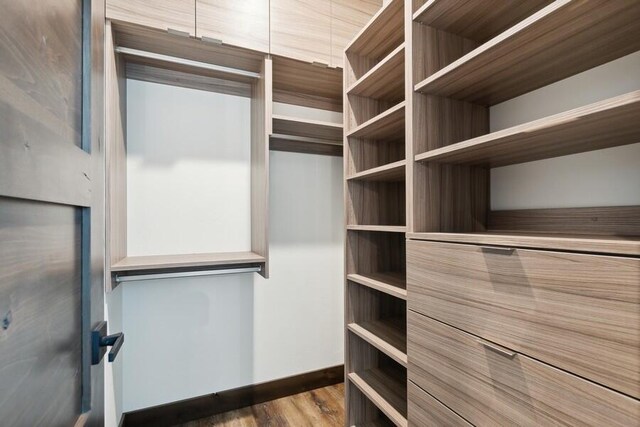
(424, 410)
(490, 387)
(577, 312)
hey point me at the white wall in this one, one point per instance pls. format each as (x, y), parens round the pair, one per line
(609, 177)
(193, 336)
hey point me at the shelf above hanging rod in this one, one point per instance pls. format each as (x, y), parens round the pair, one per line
(186, 62)
(178, 274)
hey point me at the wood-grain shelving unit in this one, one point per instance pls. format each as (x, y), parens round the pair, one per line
(462, 57)
(375, 192)
(306, 136)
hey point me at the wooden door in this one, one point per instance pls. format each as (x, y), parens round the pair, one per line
(51, 226)
(348, 17)
(168, 15)
(236, 23)
(301, 29)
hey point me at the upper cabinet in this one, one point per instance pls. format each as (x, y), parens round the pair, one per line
(237, 23)
(301, 29)
(176, 15)
(347, 18)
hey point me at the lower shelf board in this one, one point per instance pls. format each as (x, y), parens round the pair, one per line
(185, 261)
(305, 145)
(616, 245)
(387, 335)
(383, 228)
(391, 283)
(384, 390)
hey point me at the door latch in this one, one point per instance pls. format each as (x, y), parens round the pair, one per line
(100, 341)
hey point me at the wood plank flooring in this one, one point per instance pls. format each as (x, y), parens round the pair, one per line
(323, 407)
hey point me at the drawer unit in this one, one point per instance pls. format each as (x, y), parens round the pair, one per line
(578, 312)
(424, 410)
(489, 385)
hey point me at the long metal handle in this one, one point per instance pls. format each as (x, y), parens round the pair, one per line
(497, 348)
(137, 277)
(498, 249)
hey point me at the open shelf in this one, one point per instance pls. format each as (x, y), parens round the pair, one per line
(616, 245)
(382, 34)
(387, 335)
(387, 124)
(560, 40)
(306, 136)
(391, 283)
(390, 172)
(596, 126)
(385, 80)
(385, 390)
(474, 19)
(167, 263)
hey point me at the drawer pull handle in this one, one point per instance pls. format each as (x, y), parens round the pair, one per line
(498, 349)
(497, 250)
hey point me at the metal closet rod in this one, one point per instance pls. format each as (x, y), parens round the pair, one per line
(197, 273)
(189, 62)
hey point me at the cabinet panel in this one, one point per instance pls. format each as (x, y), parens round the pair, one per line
(575, 311)
(177, 15)
(301, 29)
(237, 23)
(489, 385)
(347, 18)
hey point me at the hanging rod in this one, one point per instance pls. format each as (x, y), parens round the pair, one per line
(221, 271)
(189, 62)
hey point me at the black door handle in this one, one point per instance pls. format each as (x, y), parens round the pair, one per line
(100, 340)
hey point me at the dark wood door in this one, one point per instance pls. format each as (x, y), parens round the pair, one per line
(51, 211)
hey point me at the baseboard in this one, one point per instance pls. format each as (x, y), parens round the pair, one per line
(195, 408)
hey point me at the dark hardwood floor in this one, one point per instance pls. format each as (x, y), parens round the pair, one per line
(323, 407)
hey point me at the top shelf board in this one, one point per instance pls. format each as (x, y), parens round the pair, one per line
(185, 261)
(383, 33)
(563, 39)
(477, 20)
(603, 124)
(307, 128)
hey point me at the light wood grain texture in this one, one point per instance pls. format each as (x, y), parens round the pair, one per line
(614, 221)
(390, 172)
(596, 126)
(155, 74)
(40, 266)
(385, 391)
(385, 80)
(156, 41)
(376, 203)
(115, 152)
(563, 39)
(381, 228)
(425, 410)
(377, 250)
(382, 34)
(387, 124)
(347, 18)
(323, 406)
(295, 126)
(300, 83)
(574, 311)
(556, 241)
(387, 335)
(476, 19)
(301, 29)
(171, 262)
(489, 388)
(261, 124)
(178, 15)
(365, 154)
(236, 23)
(391, 283)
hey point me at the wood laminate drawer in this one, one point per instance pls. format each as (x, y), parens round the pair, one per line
(489, 386)
(424, 410)
(578, 312)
